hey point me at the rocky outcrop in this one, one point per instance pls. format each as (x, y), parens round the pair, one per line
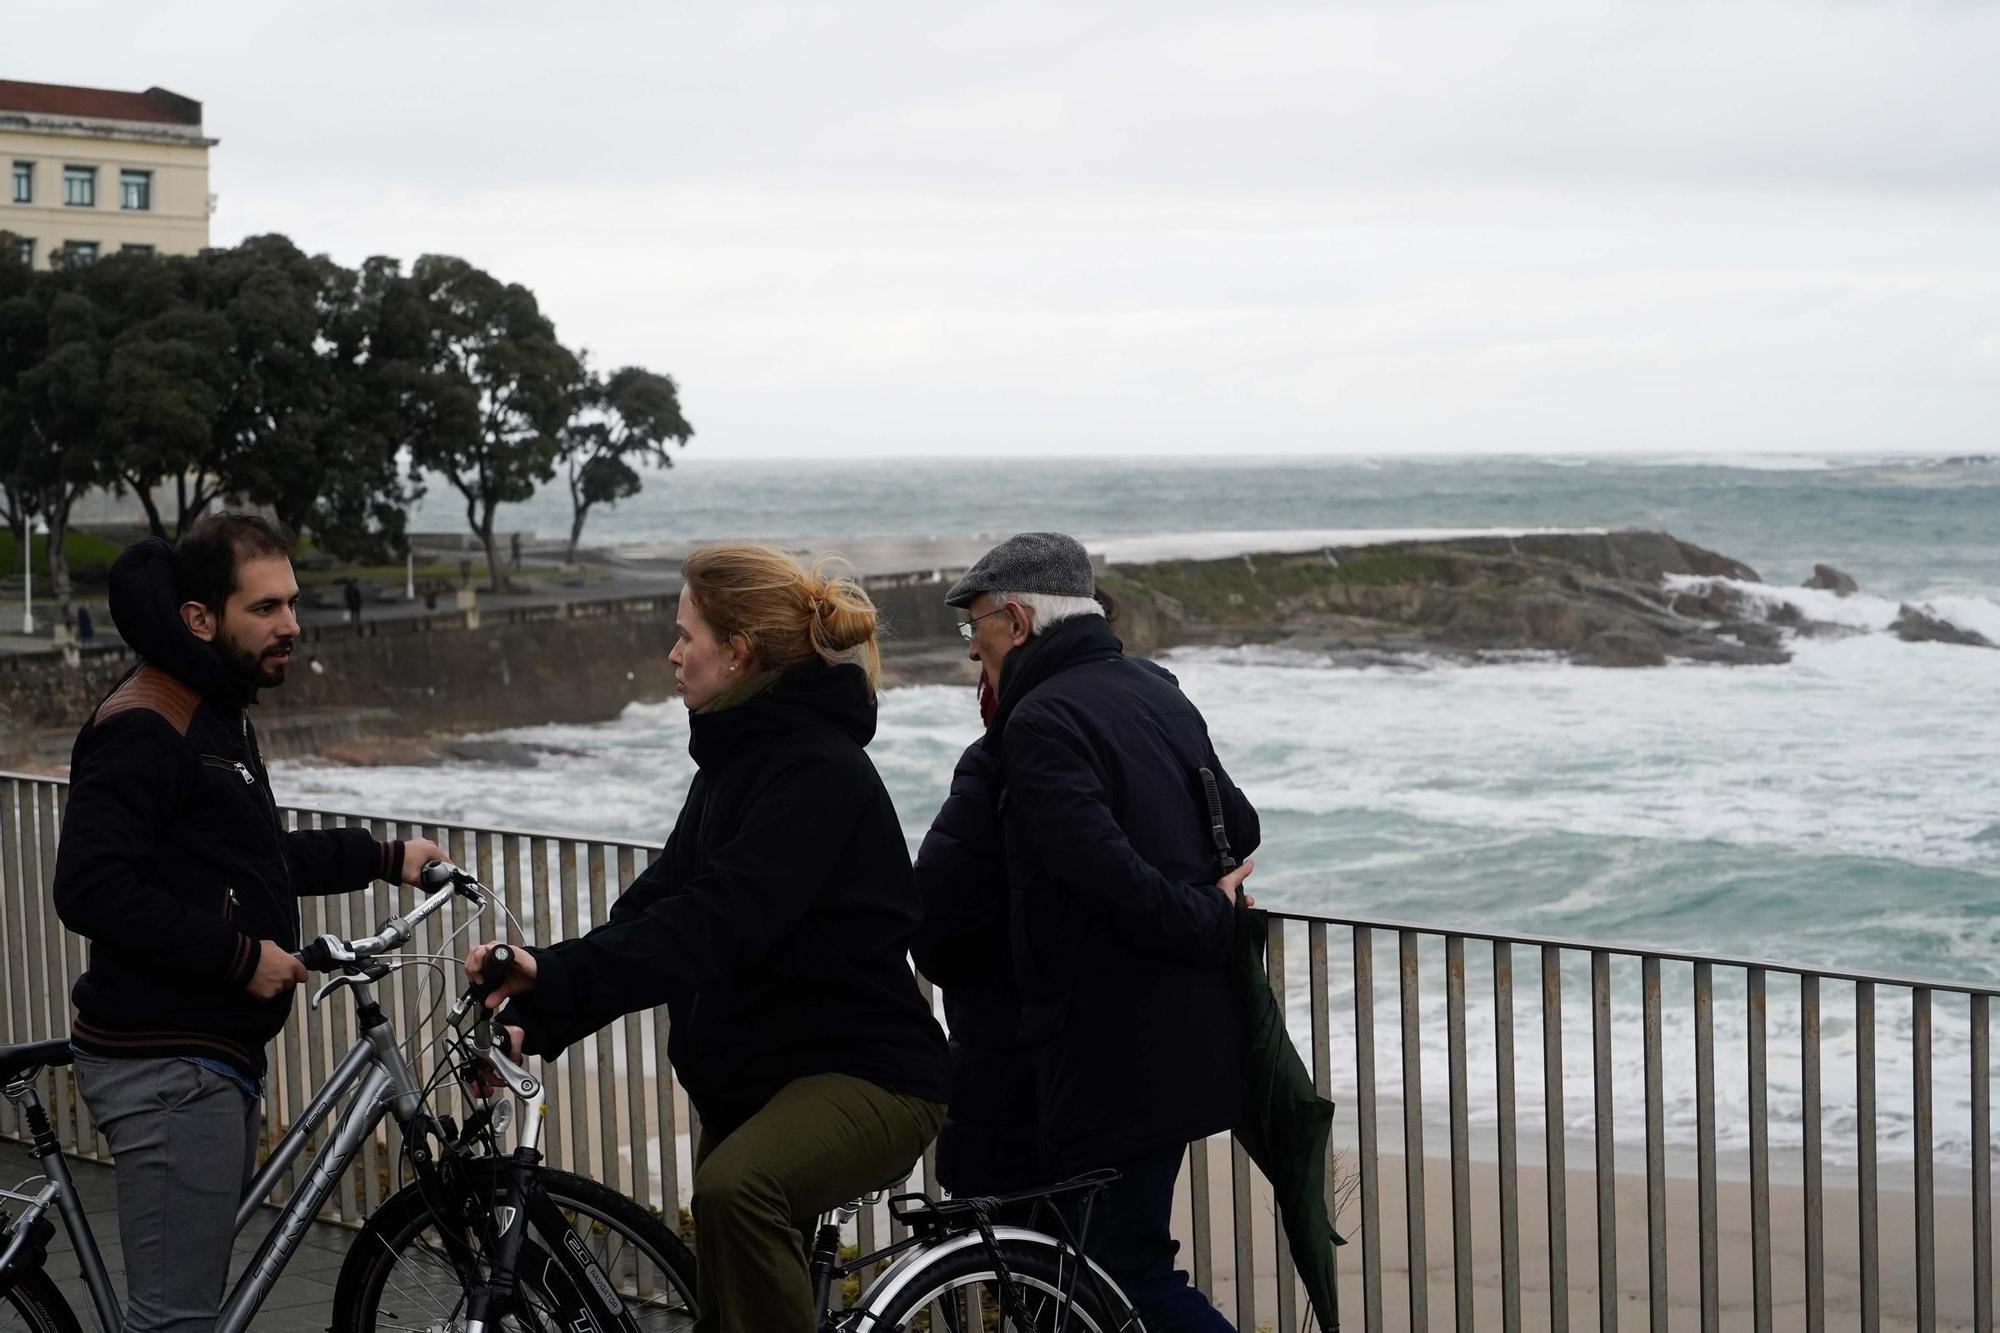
(1913, 624)
(1832, 580)
(1598, 599)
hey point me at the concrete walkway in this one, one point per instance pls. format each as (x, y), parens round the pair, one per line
(302, 1302)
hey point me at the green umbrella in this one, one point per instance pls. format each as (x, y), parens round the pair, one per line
(1285, 1121)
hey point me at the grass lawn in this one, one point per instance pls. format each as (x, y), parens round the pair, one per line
(87, 552)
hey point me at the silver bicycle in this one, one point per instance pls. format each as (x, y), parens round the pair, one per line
(480, 1238)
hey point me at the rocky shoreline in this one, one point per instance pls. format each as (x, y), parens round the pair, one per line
(1615, 600)
(1618, 599)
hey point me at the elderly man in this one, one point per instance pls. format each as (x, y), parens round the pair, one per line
(1119, 929)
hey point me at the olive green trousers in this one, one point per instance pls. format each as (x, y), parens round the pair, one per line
(759, 1192)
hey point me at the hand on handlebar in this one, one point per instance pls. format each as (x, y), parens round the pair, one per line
(277, 971)
(513, 979)
(418, 853)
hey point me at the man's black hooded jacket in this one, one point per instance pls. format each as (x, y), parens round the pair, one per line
(173, 861)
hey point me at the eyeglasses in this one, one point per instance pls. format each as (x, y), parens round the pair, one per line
(965, 626)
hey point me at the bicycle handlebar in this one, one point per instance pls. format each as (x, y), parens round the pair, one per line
(500, 964)
(330, 951)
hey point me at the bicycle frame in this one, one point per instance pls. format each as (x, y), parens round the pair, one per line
(383, 1084)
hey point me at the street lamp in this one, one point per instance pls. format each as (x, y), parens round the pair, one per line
(37, 527)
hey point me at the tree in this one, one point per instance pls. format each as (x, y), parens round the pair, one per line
(53, 351)
(305, 428)
(482, 387)
(18, 499)
(617, 422)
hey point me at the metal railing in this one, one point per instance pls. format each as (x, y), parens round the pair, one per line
(1678, 1140)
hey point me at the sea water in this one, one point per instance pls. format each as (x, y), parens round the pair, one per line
(1842, 811)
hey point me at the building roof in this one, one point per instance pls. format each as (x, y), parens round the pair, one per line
(155, 105)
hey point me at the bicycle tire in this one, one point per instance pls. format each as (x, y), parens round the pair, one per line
(32, 1303)
(653, 1272)
(933, 1299)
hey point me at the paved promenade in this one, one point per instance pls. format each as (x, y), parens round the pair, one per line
(302, 1301)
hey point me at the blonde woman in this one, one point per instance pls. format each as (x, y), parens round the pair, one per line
(775, 927)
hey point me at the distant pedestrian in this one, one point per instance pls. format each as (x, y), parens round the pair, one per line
(465, 573)
(352, 595)
(514, 541)
(86, 632)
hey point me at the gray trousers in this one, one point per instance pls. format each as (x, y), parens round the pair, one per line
(185, 1142)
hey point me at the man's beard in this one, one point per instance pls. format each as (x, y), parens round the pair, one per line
(250, 665)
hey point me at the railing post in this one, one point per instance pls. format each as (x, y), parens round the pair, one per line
(1657, 1279)
(1461, 1149)
(1503, 1095)
(1413, 1131)
(1926, 1202)
(1553, 1130)
(1364, 1110)
(1704, 1100)
(1809, 1080)
(1760, 1158)
(1869, 1237)
(1607, 1158)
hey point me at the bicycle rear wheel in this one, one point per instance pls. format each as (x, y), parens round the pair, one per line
(960, 1293)
(33, 1304)
(399, 1275)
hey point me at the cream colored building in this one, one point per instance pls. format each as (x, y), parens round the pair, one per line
(102, 171)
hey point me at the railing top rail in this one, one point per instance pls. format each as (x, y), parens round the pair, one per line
(1665, 954)
(364, 817)
(1628, 950)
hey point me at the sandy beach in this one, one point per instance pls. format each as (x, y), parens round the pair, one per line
(1843, 1284)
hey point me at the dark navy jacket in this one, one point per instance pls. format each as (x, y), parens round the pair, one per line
(987, 1145)
(1120, 939)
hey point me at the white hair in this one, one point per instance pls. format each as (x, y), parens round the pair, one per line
(1052, 609)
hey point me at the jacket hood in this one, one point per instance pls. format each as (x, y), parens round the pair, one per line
(816, 695)
(146, 608)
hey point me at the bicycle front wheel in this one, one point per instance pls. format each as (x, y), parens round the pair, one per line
(33, 1304)
(399, 1274)
(961, 1293)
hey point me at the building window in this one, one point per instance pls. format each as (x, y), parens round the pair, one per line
(24, 182)
(81, 252)
(135, 191)
(80, 187)
(135, 249)
(25, 250)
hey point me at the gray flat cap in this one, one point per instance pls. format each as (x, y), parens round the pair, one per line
(1046, 562)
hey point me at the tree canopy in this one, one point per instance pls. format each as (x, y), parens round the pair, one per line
(259, 374)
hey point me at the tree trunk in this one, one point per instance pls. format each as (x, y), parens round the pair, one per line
(485, 530)
(61, 497)
(576, 532)
(145, 494)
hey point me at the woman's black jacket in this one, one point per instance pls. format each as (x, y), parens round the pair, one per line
(776, 924)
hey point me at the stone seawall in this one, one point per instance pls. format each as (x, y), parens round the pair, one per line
(583, 662)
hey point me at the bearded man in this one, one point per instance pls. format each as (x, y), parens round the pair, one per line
(176, 867)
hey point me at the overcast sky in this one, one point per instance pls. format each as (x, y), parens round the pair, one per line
(868, 228)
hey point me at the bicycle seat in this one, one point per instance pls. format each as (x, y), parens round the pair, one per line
(18, 1060)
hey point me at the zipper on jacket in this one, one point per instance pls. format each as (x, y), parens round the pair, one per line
(235, 766)
(230, 904)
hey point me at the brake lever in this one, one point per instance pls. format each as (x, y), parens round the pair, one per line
(345, 979)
